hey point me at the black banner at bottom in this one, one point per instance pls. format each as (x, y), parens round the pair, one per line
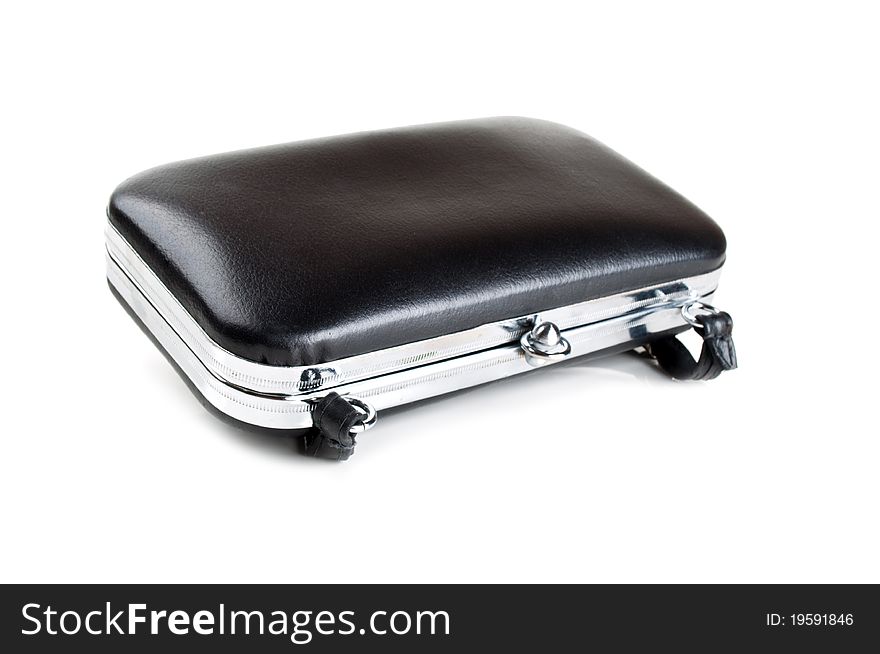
(427, 618)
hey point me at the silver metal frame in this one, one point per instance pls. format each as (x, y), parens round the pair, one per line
(281, 396)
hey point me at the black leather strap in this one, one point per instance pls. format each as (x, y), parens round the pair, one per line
(333, 418)
(718, 353)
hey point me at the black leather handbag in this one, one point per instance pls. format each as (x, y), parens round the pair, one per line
(311, 285)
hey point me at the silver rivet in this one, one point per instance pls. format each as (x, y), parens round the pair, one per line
(545, 335)
(544, 343)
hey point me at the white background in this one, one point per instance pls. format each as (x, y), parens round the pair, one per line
(763, 114)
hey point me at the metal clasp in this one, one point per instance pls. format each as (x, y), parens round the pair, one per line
(544, 343)
(367, 409)
(691, 310)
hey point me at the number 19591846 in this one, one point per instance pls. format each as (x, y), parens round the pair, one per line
(810, 620)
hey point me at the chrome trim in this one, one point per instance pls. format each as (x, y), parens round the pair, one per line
(409, 385)
(273, 381)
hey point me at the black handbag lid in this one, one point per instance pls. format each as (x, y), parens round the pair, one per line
(299, 254)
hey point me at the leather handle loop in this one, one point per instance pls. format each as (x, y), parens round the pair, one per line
(718, 353)
(334, 419)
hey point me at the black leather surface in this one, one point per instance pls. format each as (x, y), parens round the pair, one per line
(303, 253)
